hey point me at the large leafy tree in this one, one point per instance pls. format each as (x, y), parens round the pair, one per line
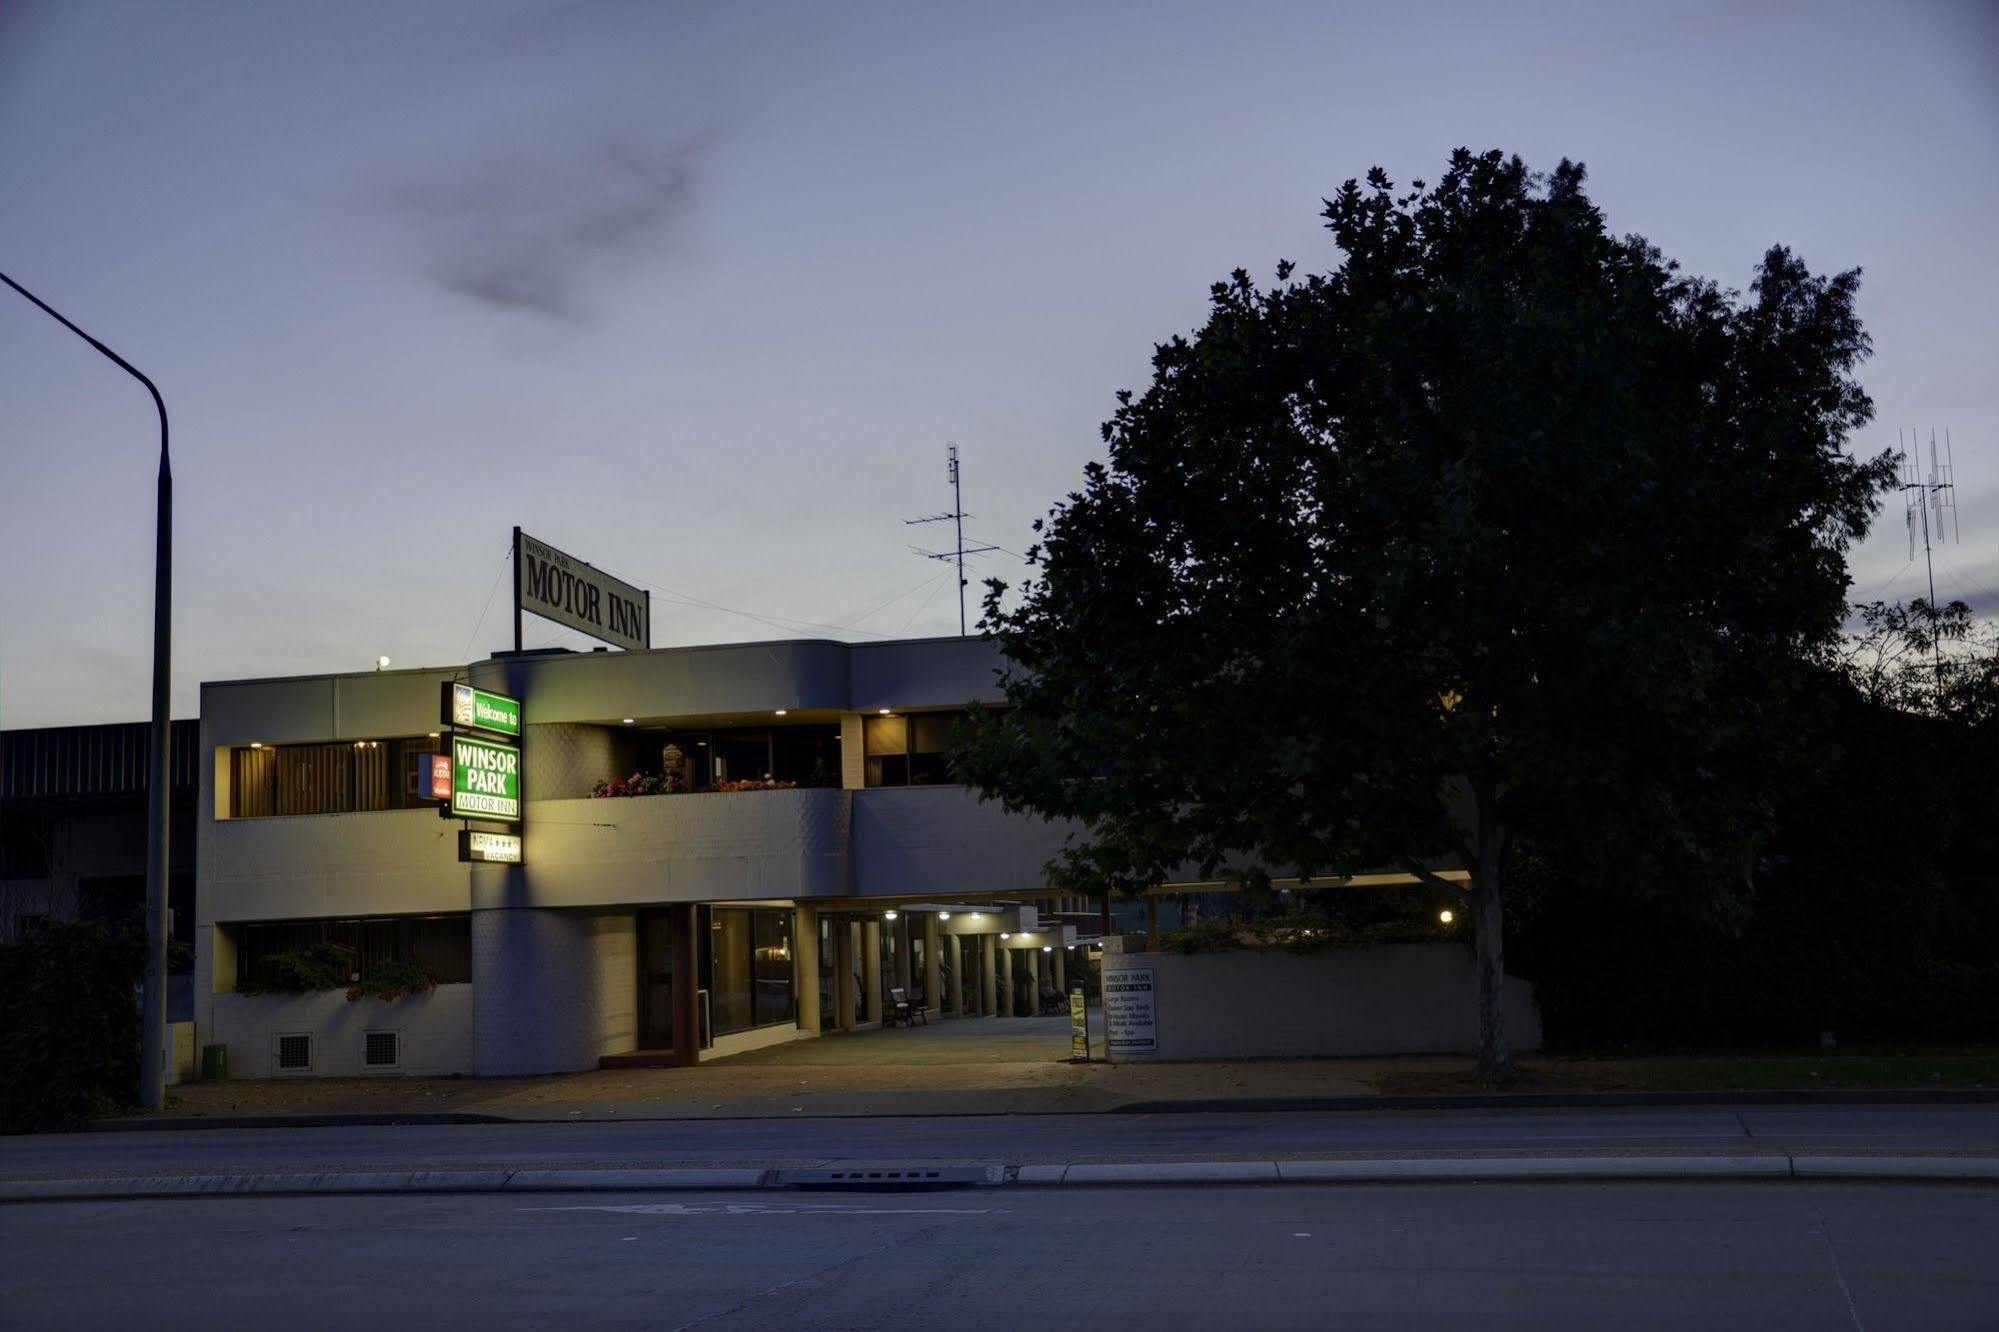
(1502, 531)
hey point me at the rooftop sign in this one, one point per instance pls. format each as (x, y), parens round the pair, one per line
(564, 589)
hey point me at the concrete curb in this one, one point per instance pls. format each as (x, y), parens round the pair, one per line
(1189, 1106)
(1975, 1169)
(1567, 1100)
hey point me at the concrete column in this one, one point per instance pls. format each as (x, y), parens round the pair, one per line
(805, 966)
(905, 954)
(1061, 956)
(844, 1017)
(933, 963)
(988, 991)
(871, 971)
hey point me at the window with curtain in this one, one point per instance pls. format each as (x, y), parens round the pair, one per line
(912, 749)
(339, 777)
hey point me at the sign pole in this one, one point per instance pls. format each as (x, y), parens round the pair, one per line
(517, 591)
(153, 1038)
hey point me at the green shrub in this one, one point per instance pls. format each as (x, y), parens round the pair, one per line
(69, 1024)
(322, 966)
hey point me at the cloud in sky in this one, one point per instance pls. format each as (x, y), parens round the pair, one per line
(533, 233)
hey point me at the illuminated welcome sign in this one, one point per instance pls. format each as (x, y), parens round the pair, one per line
(481, 710)
(485, 780)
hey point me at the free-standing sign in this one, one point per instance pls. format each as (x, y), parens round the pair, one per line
(1079, 1025)
(499, 848)
(563, 588)
(485, 780)
(1131, 1018)
(481, 710)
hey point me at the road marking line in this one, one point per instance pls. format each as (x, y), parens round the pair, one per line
(763, 1209)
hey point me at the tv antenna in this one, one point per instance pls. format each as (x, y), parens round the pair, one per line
(1929, 505)
(956, 517)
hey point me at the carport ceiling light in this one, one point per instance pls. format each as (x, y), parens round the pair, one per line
(1005, 935)
(888, 915)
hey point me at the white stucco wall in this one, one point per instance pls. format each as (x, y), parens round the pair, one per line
(555, 989)
(943, 839)
(680, 848)
(436, 1030)
(1403, 999)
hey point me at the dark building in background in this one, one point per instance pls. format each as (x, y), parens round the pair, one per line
(73, 831)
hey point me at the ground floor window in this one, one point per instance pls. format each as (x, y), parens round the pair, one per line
(441, 945)
(748, 967)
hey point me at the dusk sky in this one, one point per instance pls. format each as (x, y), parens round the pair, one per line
(700, 292)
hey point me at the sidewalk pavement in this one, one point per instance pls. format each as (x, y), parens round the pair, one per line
(1016, 1066)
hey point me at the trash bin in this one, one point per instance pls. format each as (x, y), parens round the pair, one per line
(215, 1063)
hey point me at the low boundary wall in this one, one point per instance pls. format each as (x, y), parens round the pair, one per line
(1399, 999)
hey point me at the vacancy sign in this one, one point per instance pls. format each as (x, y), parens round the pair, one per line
(489, 848)
(564, 589)
(485, 780)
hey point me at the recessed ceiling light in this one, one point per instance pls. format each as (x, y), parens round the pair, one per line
(256, 744)
(433, 735)
(888, 915)
(943, 915)
(628, 721)
(884, 712)
(782, 712)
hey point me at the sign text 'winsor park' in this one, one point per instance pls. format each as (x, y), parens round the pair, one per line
(565, 589)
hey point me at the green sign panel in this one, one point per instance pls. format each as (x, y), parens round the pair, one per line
(485, 780)
(479, 710)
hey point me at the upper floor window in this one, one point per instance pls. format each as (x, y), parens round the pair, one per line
(339, 777)
(910, 749)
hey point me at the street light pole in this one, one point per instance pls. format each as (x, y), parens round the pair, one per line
(153, 1021)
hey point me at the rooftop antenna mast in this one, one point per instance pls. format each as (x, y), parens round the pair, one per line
(956, 517)
(1930, 505)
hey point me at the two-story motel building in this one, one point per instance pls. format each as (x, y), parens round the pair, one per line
(817, 857)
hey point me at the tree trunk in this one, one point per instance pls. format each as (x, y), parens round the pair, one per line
(1494, 1060)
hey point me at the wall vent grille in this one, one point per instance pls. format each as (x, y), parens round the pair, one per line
(292, 1053)
(382, 1049)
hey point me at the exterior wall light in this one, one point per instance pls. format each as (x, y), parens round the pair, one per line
(888, 915)
(1447, 915)
(1069, 948)
(381, 663)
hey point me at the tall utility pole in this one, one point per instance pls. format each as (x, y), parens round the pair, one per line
(1927, 501)
(153, 1023)
(957, 518)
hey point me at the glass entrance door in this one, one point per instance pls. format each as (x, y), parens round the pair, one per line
(655, 980)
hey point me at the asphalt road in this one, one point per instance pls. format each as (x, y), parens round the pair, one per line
(1768, 1256)
(1021, 1139)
